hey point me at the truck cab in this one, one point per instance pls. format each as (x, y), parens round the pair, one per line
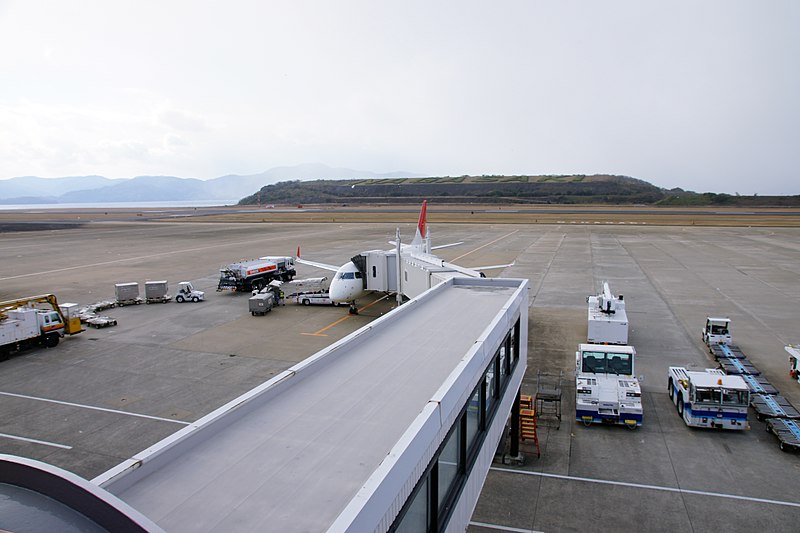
(717, 331)
(606, 389)
(709, 399)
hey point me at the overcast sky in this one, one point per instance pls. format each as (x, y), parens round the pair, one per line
(703, 95)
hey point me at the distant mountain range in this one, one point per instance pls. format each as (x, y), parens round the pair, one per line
(225, 189)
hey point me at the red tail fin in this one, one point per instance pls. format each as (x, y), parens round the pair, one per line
(421, 225)
(298, 252)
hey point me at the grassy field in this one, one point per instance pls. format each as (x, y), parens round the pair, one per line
(696, 216)
(767, 217)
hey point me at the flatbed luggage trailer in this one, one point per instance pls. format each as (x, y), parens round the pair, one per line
(709, 399)
(787, 431)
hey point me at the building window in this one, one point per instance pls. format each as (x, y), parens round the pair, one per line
(503, 360)
(473, 416)
(431, 504)
(449, 466)
(418, 515)
(491, 388)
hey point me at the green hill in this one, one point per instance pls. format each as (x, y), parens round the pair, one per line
(473, 189)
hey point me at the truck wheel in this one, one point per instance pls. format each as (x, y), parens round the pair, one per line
(670, 390)
(195, 299)
(258, 285)
(179, 299)
(51, 340)
(306, 301)
(679, 406)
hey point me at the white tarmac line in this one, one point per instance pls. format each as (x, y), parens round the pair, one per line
(503, 528)
(480, 247)
(649, 487)
(53, 444)
(82, 406)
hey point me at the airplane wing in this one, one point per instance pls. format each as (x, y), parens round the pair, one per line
(491, 267)
(323, 266)
(446, 245)
(407, 246)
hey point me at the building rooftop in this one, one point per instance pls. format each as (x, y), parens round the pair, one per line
(295, 451)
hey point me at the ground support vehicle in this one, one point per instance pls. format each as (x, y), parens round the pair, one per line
(731, 351)
(787, 431)
(98, 321)
(262, 303)
(608, 321)
(88, 315)
(296, 286)
(758, 385)
(314, 298)
(709, 399)
(156, 292)
(717, 331)
(736, 367)
(127, 294)
(794, 361)
(23, 323)
(255, 274)
(187, 293)
(733, 361)
(773, 406)
(606, 389)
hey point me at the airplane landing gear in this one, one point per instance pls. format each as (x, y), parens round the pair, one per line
(353, 308)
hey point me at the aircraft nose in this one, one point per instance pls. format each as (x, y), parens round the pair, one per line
(337, 292)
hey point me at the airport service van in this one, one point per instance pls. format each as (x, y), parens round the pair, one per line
(709, 399)
(608, 321)
(717, 331)
(606, 388)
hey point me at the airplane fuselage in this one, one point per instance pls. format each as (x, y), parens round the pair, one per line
(347, 284)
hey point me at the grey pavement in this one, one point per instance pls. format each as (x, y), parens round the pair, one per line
(104, 395)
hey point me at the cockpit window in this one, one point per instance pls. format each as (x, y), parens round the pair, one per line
(350, 275)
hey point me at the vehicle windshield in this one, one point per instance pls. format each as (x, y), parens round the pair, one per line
(607, 363)
(706, 396)
(735, 397)
(350, 275)
(719, 329)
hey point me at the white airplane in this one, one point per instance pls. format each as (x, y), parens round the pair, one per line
(348, 284)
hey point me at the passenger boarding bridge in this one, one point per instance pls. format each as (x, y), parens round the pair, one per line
(392, 428)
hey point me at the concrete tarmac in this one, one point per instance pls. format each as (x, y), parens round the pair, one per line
(104, 395)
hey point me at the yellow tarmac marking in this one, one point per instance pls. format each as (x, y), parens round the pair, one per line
(484, 246)
(319, 333)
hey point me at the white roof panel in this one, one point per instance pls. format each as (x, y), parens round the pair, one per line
(294, 462)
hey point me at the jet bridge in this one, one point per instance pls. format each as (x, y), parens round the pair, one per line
(418, 271)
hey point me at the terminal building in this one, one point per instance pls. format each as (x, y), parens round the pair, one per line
(392, 428)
